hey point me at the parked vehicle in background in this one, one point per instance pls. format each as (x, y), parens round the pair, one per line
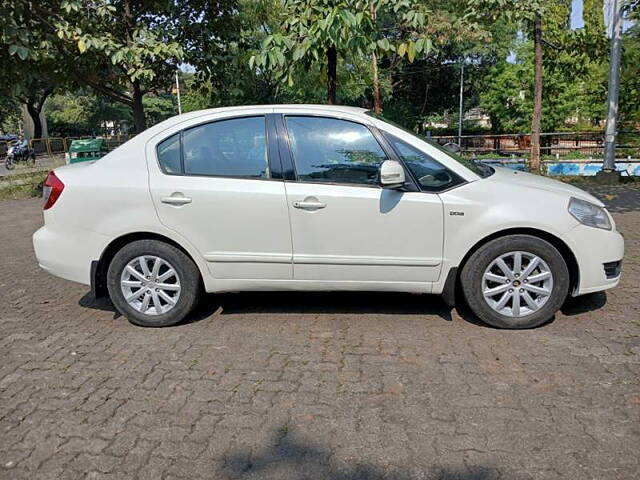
(299, 197)
(19, 152)
(9, 137)
(86, 149)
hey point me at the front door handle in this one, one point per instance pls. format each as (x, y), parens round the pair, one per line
(176, 200)
(309, 205)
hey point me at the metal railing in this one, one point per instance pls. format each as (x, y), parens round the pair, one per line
(552, 144)
(60, 145)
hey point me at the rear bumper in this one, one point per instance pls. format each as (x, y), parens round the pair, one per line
(68, 253)
(594, 250)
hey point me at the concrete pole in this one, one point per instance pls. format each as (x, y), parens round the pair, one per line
(178, 92)
(609, 164)
(461, 106)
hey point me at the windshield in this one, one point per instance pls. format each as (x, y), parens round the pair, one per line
(475, 166)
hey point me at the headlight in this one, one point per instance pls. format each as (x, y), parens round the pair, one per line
(589, 214)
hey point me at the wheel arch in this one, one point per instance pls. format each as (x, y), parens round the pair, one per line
(99, 267)
(566, 252)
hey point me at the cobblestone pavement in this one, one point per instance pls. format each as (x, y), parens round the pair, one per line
(313, 386)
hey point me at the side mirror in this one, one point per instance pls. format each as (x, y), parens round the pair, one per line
(391, 174)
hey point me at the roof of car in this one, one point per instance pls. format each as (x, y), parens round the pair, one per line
(307, 107)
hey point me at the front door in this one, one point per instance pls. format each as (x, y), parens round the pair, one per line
(213, 185)
(345, 228)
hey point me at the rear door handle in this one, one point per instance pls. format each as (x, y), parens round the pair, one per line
(176, 200)
(309, 205)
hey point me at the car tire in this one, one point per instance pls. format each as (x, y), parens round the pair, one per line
(492, 288)
(169, 287)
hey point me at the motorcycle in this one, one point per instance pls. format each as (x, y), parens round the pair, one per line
(15, 155)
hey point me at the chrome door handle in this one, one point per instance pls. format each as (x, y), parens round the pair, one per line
(175, 200)
(309, 205)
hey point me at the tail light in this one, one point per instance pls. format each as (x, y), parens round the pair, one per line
(51, 190)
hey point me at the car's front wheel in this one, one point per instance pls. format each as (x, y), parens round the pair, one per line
(153, 284)
(517, 281)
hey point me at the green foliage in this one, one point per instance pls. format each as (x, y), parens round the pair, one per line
(71, 114)
(9, 114)
(508, 96)
(309, 28)
(120, 31)
(78, 113)
(275, 51)
(630, 77)
(159, 107)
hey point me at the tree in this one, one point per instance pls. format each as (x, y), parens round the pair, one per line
(30, 88)
(81, 112)
(311, 30)
(507, 94)
(399, 29)
(529, 13)
(120, 48)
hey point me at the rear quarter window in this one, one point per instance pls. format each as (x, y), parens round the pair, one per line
(169, 154)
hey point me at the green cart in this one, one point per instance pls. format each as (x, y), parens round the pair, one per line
(86, 150)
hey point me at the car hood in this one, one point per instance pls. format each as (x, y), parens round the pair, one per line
(514, 177)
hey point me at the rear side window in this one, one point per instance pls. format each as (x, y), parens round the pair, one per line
(431, 175)
(334, 151)
(228, 148)
(169, 154)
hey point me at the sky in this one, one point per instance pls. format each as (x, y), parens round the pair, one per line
(576, 14)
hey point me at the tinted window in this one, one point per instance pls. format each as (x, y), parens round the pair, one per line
(431, 175)
(336, 151)
(475, 166)
(169, 154)
(228, 148)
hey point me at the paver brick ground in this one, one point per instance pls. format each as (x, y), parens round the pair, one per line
(313, 386)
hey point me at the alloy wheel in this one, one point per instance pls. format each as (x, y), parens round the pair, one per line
(517, 284)
(150, 285)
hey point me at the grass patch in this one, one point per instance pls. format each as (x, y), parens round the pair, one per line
(20, 186)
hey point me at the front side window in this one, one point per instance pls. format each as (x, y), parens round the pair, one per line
(479, 168)
(228, 148)
(334, 151)
(431, 175)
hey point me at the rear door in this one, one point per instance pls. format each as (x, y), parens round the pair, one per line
(345, 227)
(218, 184)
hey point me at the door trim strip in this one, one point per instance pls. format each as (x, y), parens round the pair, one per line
(247, 257)
(362, 260)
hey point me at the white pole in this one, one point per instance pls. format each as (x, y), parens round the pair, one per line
(178, 91)
(615, 17)
(460, 106)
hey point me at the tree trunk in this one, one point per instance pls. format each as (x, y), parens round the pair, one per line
(537, 95)
(34, 113)
(138, 108)
(332, 66)
(377, 99)
(34, 104)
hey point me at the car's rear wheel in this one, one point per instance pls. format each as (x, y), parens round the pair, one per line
(517, 281)
(153, 284)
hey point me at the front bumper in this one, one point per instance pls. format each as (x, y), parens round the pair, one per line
(595, 249)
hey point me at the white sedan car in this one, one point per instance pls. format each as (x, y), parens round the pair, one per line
(303, 197)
